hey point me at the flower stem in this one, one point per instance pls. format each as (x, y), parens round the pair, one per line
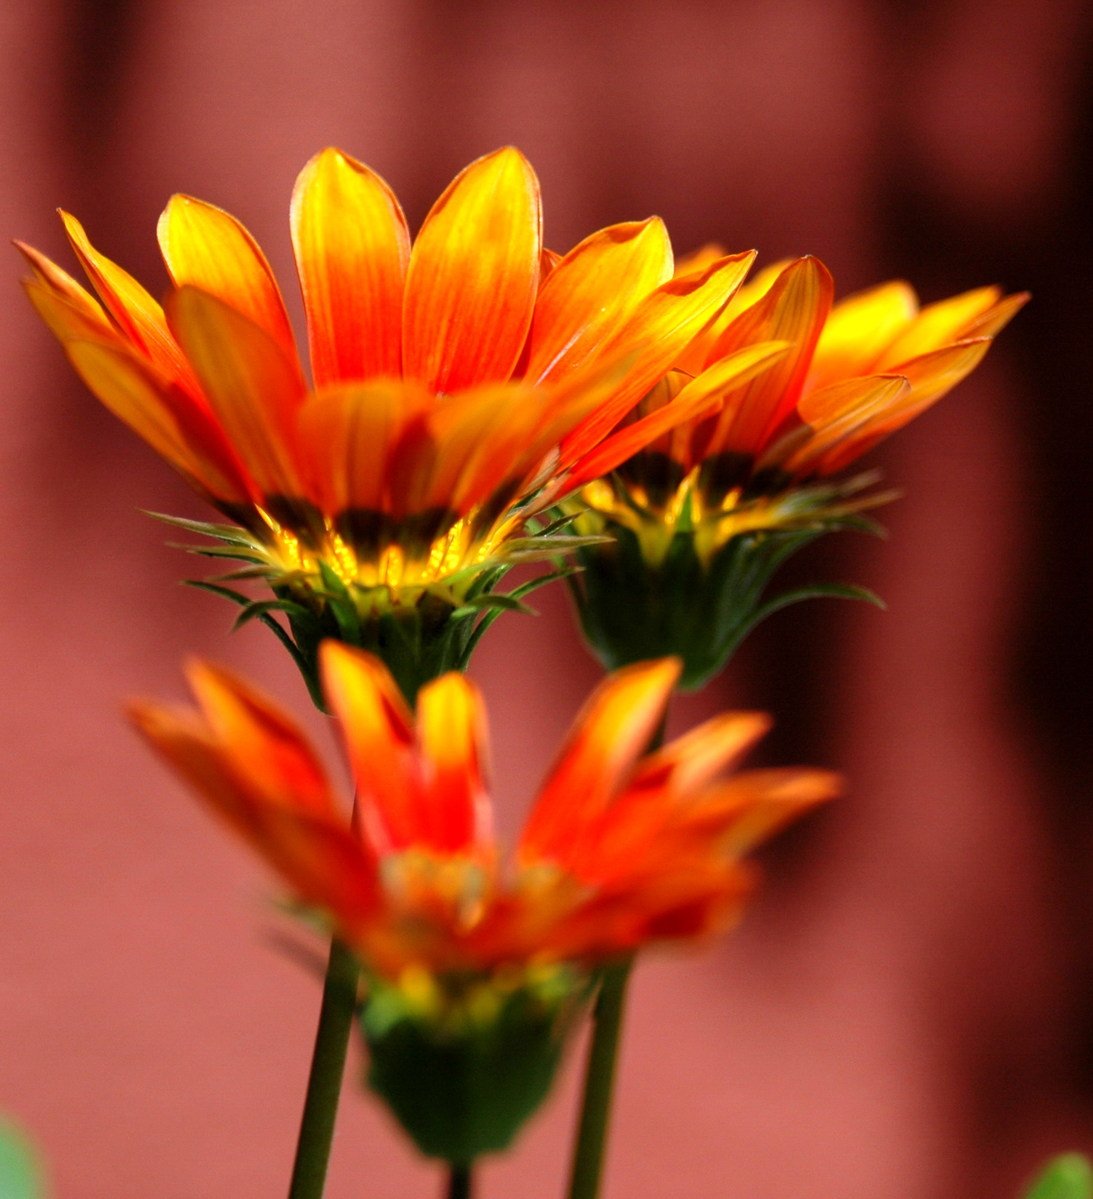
(599, 1083)
(586, 1173)
(324, 1083)
(460, 1182)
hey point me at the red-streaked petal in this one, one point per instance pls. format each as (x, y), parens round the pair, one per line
(838, 415)
(78, 308)
(793, 310)
(71, 317)
(474, 271)
(592, 292)
(693, 401)
(251, 385)
(996, 318)
(352, 249)
(477, 441)
(138, 316)
(749, 808)
(377, 729)
(938, 325)
(206, 248)
(346, 437)
(315, 852)
(698, 354)
(266, 747)
(610, 734)
(452, 736)
(662, 326)
(164, 416)
(929, 378)
(709, 750)
(859, 330)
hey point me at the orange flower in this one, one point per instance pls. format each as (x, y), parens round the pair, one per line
(620, 849)
(694, 525)
(850, 375)
(453, 379)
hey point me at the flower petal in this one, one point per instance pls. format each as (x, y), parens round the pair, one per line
(662, 326)
(76, 311)
(251, 385)
(693, 401)
(938, 325)
(749, 808)
(473, 274)
(840, 416)
(346, 436)
(859, 330)
(138, 316)
(456, 814)
(793, 310)
(164, 416)
(592, 292)
(313, 849)
(352, 248)
(609, 735)
(268, 749)
(205, 247)
(377, 729)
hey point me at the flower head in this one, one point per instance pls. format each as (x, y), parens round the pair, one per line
(471, 956)
(700, 517)
(621, 846)
(454, 378)
(837, 379)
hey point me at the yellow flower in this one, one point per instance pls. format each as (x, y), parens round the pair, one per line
(696, 522)
(455, 379)
(849, 375)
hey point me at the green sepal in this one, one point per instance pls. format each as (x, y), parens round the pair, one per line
(419, 632)
(20, 1171)
(1069, 1176)
(698, 609)
(462, 1078)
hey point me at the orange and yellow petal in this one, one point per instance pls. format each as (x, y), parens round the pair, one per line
(139, 317)
(612, 731)
(592, 293)
(649, 343)
(164, 416)
(377, 728)
(473, 276)
(794, 310)
(253, 387)
(694, 400)
(207, 248)
(352, 249)
(451, 728)
(859, 330)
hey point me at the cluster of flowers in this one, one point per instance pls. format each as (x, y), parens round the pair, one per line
(475, 401)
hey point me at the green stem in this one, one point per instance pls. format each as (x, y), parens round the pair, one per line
(599, 1084)
(324, 1083)
(460, 1182)
(586, 1173)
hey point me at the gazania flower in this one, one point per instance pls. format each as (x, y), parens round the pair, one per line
(454, 380)
(702, 516)
(458, 943)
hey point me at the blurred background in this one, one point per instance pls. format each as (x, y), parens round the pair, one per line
(907, 1011)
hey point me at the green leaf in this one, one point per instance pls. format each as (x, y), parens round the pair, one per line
(20, 1174)
(1068, 1176)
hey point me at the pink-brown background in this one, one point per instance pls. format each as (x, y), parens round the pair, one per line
(906, 1011)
